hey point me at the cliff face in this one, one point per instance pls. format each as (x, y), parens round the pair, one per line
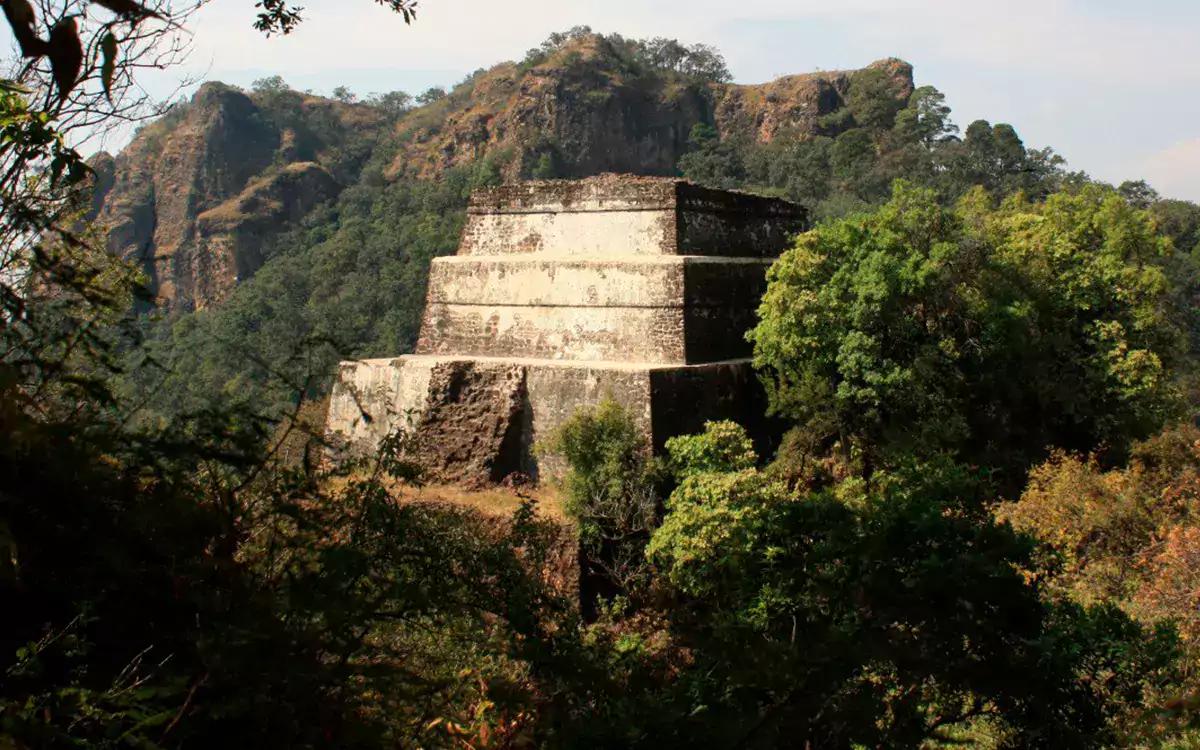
(191, 196)
(578, 111)
(196, 194)
(797, 105)
(583, 111)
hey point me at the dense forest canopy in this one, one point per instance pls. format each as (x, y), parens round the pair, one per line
(980, 530)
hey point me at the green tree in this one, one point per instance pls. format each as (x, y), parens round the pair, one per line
(611, 490)
(994, 157)
(925, 119)
(874, 98)
(1179, 220)
(881, 617)
(395, 103)
(431, 95)
(851, 159)
(987, 333)
(711, 160)
(270, 85)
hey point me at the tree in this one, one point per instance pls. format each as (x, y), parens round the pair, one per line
(344, 95)
(395, 103)
(874, 98)
(699, 61)
(926, 119)
(431, 95)
(611, 492)
(1179, 220)
(1138, 193)
(994, 157)
(880, 617)
(270, 85)
(1118, 532)
(851, 159)
(991, 334)
(712, 161)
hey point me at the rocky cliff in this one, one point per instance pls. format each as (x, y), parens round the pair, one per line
(192, 195)
(587, 109)
(196, 196)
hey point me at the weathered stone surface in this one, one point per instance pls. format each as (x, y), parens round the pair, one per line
(473, 420)
(642, 334)
(467, 407)
(372, 398)
(636, 281)
(654, 335)
(536, 317)
(614, 215)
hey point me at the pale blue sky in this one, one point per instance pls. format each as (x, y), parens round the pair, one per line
(1113, 85)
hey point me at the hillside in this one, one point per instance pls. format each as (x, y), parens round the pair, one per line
(282, 232)
(592, 106)
(196, 195)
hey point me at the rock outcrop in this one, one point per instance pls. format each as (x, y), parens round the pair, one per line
(229, 237)
(193, 195)
(586, 113)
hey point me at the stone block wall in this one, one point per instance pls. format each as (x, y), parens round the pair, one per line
(564, 293)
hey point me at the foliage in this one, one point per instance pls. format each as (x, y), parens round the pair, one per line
(394, 103)
(1124, 535)
(270, 85)
(339, 286)
(723, 447)
(282, 17)
(611, 493)
(697, 62)
(881, 617)
(876, 137)
(179, 587)
(431, 95)
(989, 333)
(711, 161)
(178, 573)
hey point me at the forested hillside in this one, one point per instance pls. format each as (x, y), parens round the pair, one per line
(981, 529)
(316, 249)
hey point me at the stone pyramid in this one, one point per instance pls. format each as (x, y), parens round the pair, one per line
(563, 293)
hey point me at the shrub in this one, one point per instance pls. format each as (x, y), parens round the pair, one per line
(612, 493)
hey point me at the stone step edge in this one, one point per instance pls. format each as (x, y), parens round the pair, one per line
(664, 259)
(577, 364)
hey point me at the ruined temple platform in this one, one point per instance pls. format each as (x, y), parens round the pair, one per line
(563, 293)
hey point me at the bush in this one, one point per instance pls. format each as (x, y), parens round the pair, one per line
(612, 493)
(723, 446)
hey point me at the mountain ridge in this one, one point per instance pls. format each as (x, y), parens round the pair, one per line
(196, 195)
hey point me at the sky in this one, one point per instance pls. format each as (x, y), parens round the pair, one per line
(1111, 85)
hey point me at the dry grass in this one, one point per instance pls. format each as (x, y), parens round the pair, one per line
(497, 502)
(494, 501)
